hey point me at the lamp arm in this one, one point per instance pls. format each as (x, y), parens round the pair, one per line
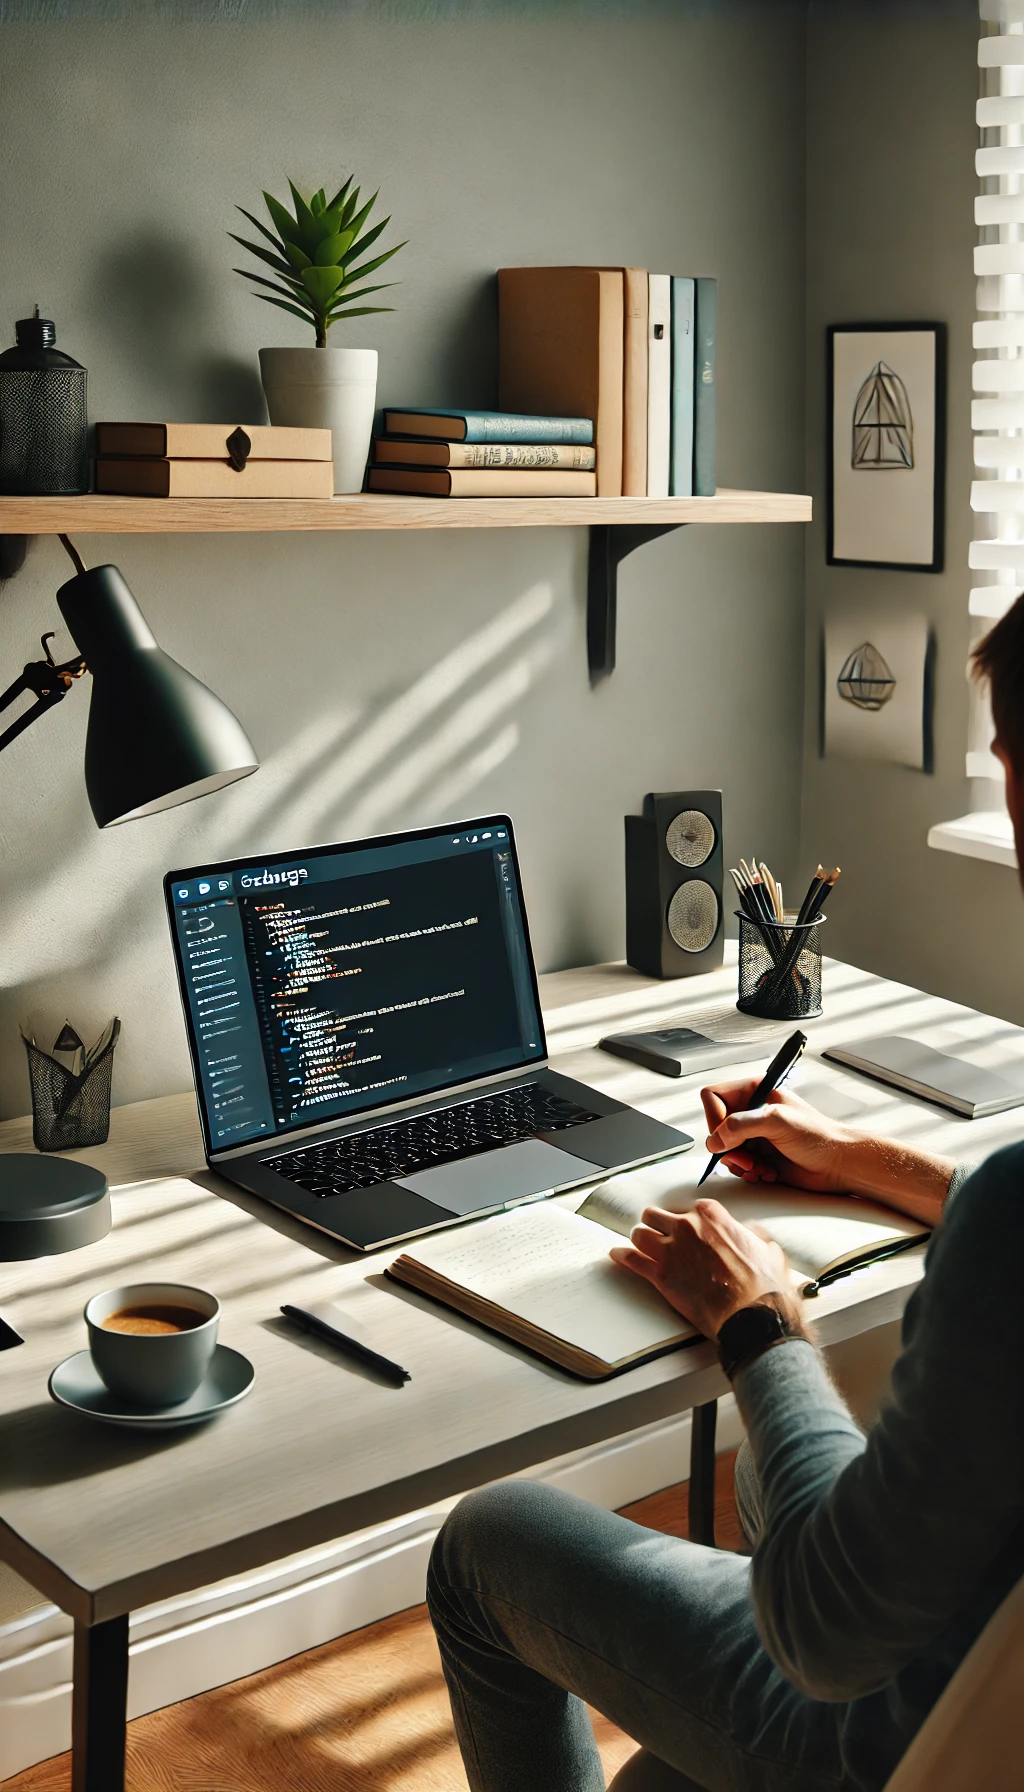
(50, 682)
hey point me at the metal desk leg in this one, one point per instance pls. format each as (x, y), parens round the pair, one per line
(702, 1474)
(99, 1706)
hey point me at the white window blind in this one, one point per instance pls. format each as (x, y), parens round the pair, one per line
(997, 412)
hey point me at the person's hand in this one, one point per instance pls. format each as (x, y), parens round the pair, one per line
(704, 1262)
(786, 1140)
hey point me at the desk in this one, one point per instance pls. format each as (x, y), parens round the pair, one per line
(102, 1522)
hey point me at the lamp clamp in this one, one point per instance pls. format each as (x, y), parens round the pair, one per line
(48, 681)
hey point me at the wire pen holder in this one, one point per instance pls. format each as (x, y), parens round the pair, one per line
(71, 1101)
(780, 968)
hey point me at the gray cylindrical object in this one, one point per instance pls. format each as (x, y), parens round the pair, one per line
(48, 1205)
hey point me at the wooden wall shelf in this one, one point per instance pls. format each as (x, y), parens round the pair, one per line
(95, 514)
(617, 526)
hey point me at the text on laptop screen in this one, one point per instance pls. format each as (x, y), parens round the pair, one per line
(348, 978)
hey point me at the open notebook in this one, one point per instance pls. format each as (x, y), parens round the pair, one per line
(541, 1274)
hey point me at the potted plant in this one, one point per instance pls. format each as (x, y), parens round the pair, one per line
(317, 256)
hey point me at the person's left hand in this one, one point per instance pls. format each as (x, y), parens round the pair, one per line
(704, 1262)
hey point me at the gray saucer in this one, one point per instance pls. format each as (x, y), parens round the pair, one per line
(75, 1383)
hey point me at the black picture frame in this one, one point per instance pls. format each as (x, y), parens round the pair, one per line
(938, 330)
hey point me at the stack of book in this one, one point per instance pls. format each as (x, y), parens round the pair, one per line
(634, 351)
(213, 460)
(478, 454)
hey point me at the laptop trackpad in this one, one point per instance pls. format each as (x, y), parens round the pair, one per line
(491, 1178)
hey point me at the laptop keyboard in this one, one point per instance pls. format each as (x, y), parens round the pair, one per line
(359, 1160)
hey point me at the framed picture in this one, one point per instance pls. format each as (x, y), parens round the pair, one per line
(886, 445)
(877, 667)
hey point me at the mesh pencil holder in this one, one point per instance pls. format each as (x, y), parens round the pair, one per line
(780, 969)
(71, 1108)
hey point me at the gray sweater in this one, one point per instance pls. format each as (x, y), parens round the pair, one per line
(883, 1557)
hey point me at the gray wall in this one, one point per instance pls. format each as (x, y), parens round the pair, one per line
(389, 679)
(891, 91)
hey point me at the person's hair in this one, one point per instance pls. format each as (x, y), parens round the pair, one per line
(999, 657)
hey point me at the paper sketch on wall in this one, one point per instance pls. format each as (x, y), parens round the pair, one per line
(885, 435)
(883, 423)
(877, 687)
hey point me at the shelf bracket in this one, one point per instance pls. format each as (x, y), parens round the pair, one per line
(610, 543)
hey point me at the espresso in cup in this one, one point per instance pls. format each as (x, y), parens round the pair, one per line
(152, 1343)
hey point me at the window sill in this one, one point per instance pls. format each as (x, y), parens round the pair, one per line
(984, 835)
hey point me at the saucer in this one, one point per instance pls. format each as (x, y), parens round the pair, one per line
(76, 1383)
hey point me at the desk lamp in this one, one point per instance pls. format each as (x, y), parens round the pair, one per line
(156, 736)
(48, 1205)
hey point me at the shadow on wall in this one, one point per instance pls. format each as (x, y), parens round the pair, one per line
(153, 293)
(350, 771)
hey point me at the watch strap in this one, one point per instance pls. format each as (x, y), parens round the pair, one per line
(754, 1329)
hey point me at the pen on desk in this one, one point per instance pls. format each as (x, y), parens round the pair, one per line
(309, 1322)
(774, 1076)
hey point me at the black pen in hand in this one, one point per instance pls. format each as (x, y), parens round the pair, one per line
(773, 1078)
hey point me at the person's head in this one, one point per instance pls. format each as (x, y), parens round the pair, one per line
(999, 658)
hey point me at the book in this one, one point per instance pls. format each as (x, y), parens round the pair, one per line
(704, 397)
(541, 1274)
(207, 441)
(406, 451)
(968, 1089)
(560, 350)
(634, 382)
(489, 426)
(153, 478)
(659, 383)
(483, 482)
(681, 467)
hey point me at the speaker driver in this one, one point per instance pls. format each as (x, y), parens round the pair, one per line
(693, 916)
(690, 837)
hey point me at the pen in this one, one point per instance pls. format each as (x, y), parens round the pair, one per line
(308, 1322)
(773, 1078)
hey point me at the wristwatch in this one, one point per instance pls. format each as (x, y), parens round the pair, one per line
(753, 1330)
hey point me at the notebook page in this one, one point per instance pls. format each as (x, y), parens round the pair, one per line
(813, 1230)
(548, 1266)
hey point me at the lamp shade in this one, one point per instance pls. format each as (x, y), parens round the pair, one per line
(156, 737)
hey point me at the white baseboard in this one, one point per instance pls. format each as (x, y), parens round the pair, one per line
(188, 1645)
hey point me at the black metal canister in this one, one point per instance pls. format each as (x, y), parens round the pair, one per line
(44, 447)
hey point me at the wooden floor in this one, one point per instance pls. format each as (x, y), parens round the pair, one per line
(367, 1711)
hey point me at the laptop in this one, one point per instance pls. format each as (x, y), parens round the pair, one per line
(367, 1041)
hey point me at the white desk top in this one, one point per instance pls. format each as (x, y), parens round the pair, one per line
(102, 1522)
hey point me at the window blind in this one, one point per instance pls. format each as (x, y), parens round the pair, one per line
(997, 410)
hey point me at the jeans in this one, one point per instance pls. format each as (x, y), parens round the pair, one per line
(541, 1601)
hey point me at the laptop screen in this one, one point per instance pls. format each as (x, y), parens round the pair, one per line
(320, 984)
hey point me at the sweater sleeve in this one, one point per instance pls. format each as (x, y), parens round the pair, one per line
(871, 1545)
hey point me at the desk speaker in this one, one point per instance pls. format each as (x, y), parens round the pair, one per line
(674, 884)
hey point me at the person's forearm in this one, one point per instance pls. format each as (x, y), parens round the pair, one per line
(915, 1182)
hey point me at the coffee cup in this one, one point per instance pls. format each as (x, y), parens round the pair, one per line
(152, 1342)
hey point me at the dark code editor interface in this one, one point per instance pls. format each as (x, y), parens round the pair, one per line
(324, 986)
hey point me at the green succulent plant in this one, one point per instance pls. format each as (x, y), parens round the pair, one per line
(317, 254)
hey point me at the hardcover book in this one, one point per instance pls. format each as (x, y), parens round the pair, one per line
(704, 397)
(406, 451)
(659, 383)
(488, 426)
(541, 1274)
(483, 482)
(681, 467)
(208, 441)
(560, 350)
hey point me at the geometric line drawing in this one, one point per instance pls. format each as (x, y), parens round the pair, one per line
(883, 425)
(865, 679)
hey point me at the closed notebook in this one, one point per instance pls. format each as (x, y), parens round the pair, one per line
(406, 451)
(659, 383)
(489, 426)
(541, 1274)
(560, 351)
(215, 478)
(208, 441)
(482, 482)
(971, 1090)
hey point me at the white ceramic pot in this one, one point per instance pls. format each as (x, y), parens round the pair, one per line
(326, 388)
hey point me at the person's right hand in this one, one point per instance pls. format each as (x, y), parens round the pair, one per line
(786, 1140)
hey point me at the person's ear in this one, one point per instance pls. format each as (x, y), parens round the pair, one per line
(1014, 799)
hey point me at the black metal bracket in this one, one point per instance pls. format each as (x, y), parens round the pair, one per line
(610, 543)
(13, 549)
